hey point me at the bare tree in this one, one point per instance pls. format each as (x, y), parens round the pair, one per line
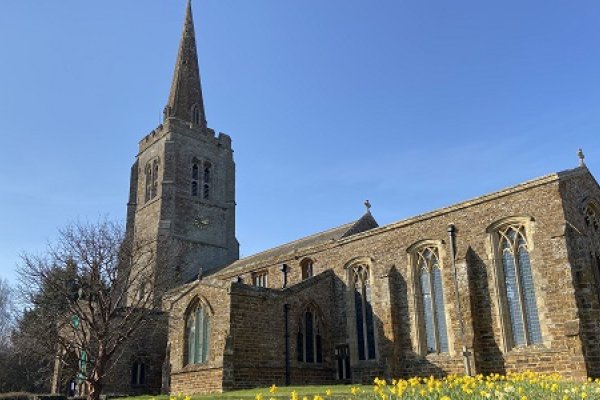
(93, 289)
(6, 313)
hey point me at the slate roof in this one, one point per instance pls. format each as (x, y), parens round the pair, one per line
(267, 257)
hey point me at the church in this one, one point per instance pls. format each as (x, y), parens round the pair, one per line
(508, 281)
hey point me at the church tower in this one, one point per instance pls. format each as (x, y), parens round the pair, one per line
(182, 191)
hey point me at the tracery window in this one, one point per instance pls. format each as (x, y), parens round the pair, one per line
(309, 340)
(138, 373)
(431, 304)
(197, 325)
(151, 175)
(260, 278)
(363, 311)
(518, 291)
(306, 266)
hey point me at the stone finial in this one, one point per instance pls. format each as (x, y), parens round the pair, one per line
(368, 205)
(581, 158)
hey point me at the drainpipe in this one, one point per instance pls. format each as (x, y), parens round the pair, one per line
(286, 310)
(465, 352)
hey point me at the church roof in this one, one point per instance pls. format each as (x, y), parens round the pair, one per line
(363, 224)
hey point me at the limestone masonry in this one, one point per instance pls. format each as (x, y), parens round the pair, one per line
(504, 282)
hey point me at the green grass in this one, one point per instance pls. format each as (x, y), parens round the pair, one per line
(282, 393)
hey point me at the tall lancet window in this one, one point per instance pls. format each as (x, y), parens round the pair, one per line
(309, 340)
(363, 311)
(206, 180)
(151, 179)
(432, 311)
(198, 334)
(519, 291)
(195, 189)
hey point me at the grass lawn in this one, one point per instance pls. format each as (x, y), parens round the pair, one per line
(283, 392)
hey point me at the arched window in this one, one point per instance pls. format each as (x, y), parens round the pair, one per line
(306, 266)
(363, 311)
(151, 176)
(518, 289)
(195, 178)
(206, 180)
(197, 327)
(138, 373)
(309, 339)
(432, 311)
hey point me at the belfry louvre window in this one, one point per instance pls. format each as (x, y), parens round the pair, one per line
(431, 300)
(309, 339)
(518, 287)
(260, 278)
(195, 178)
(363, 312)
(202, 175)
(198, 335)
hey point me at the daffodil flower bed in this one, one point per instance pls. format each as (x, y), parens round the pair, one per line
(513, 386)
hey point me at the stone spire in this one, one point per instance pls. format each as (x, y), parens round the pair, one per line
(185, 100)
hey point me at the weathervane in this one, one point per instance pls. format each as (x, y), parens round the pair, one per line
(368, 205)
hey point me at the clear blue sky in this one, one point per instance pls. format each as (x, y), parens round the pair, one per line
(413, 105)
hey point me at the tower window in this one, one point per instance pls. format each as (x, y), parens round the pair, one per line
(206, 178)
(195, 115)
(195, 178)
(151, 176)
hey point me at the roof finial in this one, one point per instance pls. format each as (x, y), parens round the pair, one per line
(368, 205)
(581, 158)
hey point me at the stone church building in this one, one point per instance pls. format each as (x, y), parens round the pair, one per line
(503, 282)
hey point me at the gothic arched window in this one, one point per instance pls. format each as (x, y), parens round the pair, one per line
(197, 328)
(151, 179)
(306, 266)
(431, 300)
(363, 311)
(309, 339)
(518, 288)
(195, 178)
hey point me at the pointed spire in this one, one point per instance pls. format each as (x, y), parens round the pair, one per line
(185, 100)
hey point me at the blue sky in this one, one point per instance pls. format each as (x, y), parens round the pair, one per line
(413, 105)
